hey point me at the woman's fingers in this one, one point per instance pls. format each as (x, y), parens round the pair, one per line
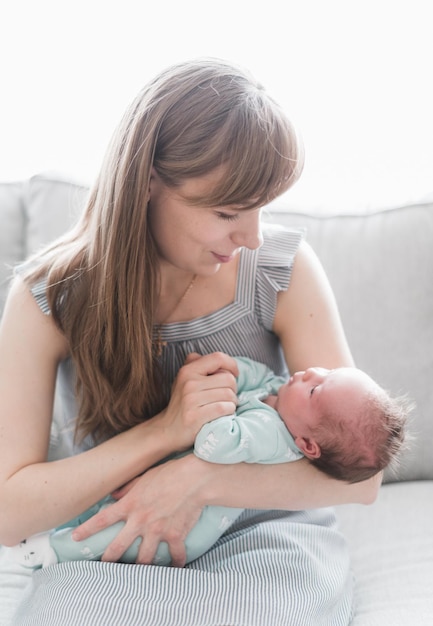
(192, 356)
(177, 553)
(223, 381)
(104, 518)
(122, 491)
(211, 363)
(147, 553)
(117, 548)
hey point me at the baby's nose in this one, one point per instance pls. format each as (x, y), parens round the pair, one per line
(308, 373)
(314, 372)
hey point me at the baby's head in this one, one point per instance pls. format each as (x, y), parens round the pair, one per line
(343, 421)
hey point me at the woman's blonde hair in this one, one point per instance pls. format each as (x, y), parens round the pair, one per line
(103, 275)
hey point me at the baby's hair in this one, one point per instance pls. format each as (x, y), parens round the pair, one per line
(356, 454)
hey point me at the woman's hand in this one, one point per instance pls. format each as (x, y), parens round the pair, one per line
(204, 389)
(161, 505)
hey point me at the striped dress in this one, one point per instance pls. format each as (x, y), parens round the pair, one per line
(271, 568)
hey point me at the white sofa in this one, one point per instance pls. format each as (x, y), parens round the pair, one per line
(381, 268)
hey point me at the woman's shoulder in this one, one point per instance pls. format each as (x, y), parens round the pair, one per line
(22, 318)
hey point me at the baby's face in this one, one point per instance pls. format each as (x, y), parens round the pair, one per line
(309, 394)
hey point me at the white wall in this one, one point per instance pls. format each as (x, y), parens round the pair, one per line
(356, 76)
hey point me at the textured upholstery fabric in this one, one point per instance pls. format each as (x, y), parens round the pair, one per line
(391, 545)
(49, 214)
(12, 232)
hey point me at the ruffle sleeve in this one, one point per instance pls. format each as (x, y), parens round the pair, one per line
(38, 289)
(274, 269)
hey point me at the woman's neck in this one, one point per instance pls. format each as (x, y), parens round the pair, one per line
(203, 294)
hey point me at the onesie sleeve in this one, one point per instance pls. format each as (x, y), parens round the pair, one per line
(254, 375)
(274, 268)
(256, 436)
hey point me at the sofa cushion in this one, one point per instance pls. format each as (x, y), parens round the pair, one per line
(12, 232)
(54, 204)
(391, 547)
(381, 266)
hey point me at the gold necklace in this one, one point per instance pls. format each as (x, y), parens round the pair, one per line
(160, 344)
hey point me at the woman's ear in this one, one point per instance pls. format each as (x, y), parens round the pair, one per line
(153, 177)
(155, 184)
(308, 447)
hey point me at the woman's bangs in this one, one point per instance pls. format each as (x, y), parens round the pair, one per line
(258, 164)
(265, 167)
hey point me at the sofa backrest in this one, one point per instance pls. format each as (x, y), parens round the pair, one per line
(380, 266)
(12, 232)
(32, 213)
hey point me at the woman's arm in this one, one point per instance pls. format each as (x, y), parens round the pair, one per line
(36, 495)
(307, 320)
(166, 502)
(294, 486)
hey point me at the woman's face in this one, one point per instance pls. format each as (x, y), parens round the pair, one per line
(199, 239)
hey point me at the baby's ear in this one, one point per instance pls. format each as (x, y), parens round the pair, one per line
(308, 447)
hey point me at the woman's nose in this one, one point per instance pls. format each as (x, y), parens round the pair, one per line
(249, 233)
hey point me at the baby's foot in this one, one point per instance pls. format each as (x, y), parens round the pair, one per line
(35, 552)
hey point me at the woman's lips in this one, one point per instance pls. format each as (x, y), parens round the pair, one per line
(224, 258)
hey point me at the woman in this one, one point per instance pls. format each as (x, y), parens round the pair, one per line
(169, 258)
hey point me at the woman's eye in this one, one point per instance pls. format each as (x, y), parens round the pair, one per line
(228, 217)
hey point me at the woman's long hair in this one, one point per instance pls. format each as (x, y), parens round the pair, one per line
(102, 276)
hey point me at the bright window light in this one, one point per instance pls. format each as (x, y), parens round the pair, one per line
(355, 76)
